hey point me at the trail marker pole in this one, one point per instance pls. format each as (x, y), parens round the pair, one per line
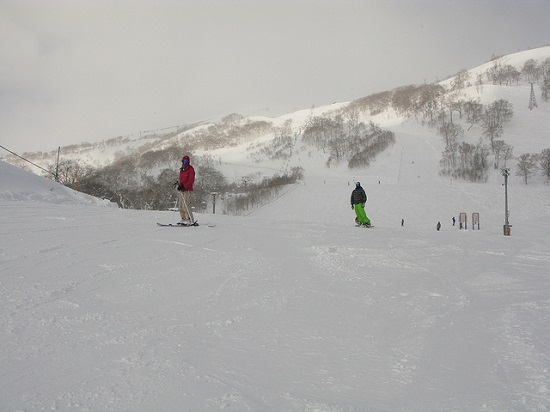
(57, 165)
(506, 173)
(214, 202)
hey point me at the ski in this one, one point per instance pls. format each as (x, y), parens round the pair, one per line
(176, 225)
(365, 226)
(180, 225)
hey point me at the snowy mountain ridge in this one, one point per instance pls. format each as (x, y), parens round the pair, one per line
(235, 157)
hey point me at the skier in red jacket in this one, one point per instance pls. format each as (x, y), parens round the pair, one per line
(185, 188)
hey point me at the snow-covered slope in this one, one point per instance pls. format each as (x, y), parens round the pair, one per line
(289, 309)
(19, 185)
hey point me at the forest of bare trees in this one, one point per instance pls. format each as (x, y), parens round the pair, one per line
(344, 140)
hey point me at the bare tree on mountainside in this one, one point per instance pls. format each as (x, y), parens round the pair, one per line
(455, 106)
(502, 151)
(493, 72)
(474, 112)
(450, 133)
(460, 80)
(68, 172)
(511, 74)
(479, 83)
(429, 101)
(545, 83)
(502, 74)
(352, 120)
(465, 161)
(531, 71)
(527, 165)
(545, 68)
(545, 89)
(494, 117)
(403, 100)
(544, 163)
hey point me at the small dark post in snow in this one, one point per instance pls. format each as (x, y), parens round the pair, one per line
(506, 173)
(57, 165)
(214, 202)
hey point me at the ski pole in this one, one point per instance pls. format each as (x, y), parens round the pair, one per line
(187, 208)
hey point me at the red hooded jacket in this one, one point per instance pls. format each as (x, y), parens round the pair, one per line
(187, 176)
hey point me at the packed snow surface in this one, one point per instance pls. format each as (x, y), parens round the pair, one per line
(291, 308)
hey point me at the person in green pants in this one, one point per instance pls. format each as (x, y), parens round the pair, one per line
(358, 200)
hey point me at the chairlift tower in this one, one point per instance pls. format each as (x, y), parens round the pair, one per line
(532, 98)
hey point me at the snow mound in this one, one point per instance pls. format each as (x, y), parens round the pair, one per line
(19, 185)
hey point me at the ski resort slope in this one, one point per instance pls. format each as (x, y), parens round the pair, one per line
(291, 308)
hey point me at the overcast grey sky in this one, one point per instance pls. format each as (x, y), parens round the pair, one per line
(74, 71)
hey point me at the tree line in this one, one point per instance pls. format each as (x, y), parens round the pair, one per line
(255, 195)
(529, 163)
(346, 139)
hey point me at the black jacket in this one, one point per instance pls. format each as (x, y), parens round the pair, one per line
(358, 196)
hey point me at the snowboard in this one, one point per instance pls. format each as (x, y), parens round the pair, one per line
(364, 226)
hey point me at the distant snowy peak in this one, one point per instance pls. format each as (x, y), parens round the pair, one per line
(517, 60)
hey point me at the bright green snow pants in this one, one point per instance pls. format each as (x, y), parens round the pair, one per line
(361, 215)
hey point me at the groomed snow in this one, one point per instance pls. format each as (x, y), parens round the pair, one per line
(289, 309)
